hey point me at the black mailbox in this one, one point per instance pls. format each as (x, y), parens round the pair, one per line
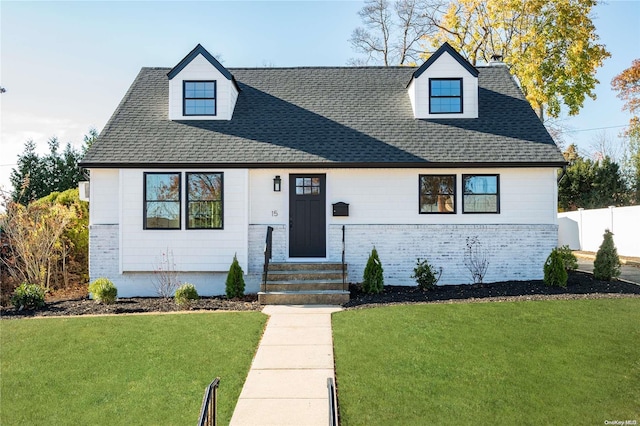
(341, 209)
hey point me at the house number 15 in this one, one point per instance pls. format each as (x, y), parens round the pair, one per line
(274, 213)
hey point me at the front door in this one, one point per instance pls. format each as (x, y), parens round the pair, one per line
(307, 215)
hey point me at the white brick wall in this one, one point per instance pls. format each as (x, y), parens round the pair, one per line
(257, 237)
(515, 252)
(103, 251)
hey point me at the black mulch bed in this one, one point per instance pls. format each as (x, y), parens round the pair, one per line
(134, 305)
(581, 285)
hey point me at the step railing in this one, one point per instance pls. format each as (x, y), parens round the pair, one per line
(333, 403)
(344, 269)
(267, 257)
(209, 409)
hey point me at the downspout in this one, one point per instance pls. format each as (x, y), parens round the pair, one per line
(563, 174)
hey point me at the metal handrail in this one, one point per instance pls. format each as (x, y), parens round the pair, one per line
(333, 403)
(267, 256)
(344, 279)
(209, 409)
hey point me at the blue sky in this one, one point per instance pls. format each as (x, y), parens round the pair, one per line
(67, 65)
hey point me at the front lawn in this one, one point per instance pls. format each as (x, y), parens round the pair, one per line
(542, 362)
(146, 369)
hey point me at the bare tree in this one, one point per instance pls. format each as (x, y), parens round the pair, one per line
(391, 33)
(603, 145)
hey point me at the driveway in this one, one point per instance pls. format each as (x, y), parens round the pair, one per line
(627, 272)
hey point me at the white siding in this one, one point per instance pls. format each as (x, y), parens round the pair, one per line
(383, 211)
(193, 250)
(390, 196)
(104, 202)
(201, 69)
(444, 67)
(103, 262)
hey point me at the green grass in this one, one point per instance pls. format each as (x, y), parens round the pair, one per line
(545, 362)
(148, 369)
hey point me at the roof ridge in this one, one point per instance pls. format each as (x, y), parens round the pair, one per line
(311, 67)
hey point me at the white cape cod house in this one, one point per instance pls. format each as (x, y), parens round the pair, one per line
(199, 160)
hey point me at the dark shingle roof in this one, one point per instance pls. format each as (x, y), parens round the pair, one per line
(328, 117)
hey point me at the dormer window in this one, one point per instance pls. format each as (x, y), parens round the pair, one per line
(444, 87)
(200, 88)
(199, 98)
(445, 96)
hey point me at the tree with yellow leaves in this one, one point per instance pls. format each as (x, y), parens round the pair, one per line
(550, 46)
(627, 84)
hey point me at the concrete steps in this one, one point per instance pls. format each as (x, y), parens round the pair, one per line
(309, 283)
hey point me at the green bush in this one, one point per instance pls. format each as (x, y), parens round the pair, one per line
(426, 275)
(28, 296)
(235, 280)
(555, 274)
(568, 258)
(185, 294)
(607, 263)
(103, 291)
(373, 279)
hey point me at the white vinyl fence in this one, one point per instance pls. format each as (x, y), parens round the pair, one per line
(583, 229)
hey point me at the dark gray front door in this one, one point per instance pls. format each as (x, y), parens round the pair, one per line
(307, 215)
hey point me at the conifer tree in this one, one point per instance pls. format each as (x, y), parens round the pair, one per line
(607, 263)
(235, 280)
(373, 279)
(555, 274)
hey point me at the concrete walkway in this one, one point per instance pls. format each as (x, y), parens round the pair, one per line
(287, 383)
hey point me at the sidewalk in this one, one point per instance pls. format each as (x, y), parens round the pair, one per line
(287, 383)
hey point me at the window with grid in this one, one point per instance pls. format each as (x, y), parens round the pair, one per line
(481, 194)
(445, 95)
(199, 98)
(308, 186)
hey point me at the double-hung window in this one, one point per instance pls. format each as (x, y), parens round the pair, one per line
(204, 201)
(445, 96)
(437, 194)
(162, 201)
(480, 194)
(199, 98)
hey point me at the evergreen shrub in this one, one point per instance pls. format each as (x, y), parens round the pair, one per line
(28, 296)
(426, 274)
(555, 274)
(373, 280)
(607, 263)
(235, 280)
(185, 295)
(103, 291)
(568, 258)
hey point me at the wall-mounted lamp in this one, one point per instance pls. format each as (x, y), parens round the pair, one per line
(277, 184)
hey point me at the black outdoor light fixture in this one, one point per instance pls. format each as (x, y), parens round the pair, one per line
(277, 183)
